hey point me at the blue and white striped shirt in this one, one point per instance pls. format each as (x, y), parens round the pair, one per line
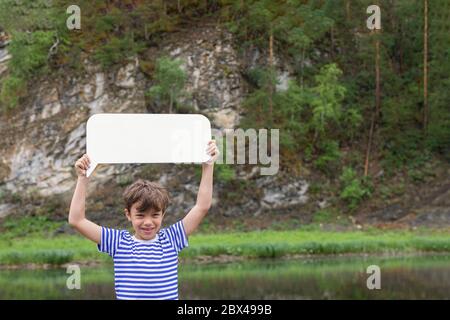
(145, 269)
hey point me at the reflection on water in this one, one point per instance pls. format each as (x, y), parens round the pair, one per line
(425, 277)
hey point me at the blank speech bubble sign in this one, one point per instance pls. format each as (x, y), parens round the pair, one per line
(147, 138)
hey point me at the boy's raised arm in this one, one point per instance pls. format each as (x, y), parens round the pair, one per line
(204, 197)
(77, 218)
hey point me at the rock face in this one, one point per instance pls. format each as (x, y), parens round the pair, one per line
(290, 194)
(212, 66)
(43, 141)
(4, 57)
(43, 138)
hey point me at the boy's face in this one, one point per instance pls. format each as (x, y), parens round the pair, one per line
(145, 224)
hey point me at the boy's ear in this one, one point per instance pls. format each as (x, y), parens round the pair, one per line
(127, 214)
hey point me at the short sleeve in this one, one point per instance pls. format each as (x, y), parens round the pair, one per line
(177, 236)
(109, 241)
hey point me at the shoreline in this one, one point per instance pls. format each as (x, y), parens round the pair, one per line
(225, 259)
(41, 252)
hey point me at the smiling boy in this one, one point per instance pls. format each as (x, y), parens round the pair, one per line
(146, 262)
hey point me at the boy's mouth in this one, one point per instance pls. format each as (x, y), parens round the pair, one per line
(147, 230)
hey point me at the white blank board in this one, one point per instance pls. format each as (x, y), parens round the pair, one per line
(147, 138)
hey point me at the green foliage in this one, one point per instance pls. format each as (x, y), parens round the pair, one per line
(12, 88)
(14, 227)
(54, 257)
(257, 103)
(33, 27)
(299, 111)
(354, 189)
(117, 50)
(224, 172)
(124, 180)
(324, 216)
(329, 158)
(351, 122)
(402, 149)
(29, 56)
(327, 98)
(30, 52)
(27, 15)
(170, 80)
(336, 102)
(331, 95)
(438, 134)
(260, 243)
(290, 107)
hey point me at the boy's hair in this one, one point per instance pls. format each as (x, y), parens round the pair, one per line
(148, 194)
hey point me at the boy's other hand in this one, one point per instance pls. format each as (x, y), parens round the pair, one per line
(82, 165)
(212, 151)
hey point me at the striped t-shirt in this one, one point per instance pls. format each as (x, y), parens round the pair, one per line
(145, 269)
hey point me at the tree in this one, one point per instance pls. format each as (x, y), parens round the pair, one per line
(35, 32)
(262, 18)
(425, 66)
(170, 80)
(327, 98)
(299, 27)
(27, 16)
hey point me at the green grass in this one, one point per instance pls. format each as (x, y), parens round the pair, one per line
(53, 250)
(256, 244)
(14, 227)
(272, 244)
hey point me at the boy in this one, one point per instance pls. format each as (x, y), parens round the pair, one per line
(146, 263)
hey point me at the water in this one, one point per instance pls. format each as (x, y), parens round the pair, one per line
(419, 277)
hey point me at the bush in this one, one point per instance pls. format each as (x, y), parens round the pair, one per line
(170, 80)
(116, 50)
(328, 161)
(225, 172)
(354, 189)
(20, 227)
(12, 89)
(29, 53)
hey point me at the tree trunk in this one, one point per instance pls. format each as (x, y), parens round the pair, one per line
(302, 67)
(369, 145)
(332, 41)
(377, 75)
(425, 68)
(376, 112)
(347, 9)
(271, 89)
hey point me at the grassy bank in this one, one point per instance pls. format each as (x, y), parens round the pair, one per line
(256, 244)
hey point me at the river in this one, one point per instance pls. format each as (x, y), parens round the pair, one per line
(407, 277)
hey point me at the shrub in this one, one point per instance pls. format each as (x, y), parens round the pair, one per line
(354, 189)
(12, 89)
(116, 50)
(328, 161)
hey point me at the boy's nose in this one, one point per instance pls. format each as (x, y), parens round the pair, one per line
(148, 223)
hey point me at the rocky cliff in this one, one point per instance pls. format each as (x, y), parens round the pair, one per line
(43, 137)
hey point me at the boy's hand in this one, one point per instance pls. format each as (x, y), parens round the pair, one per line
(82, 165)
(212, 151)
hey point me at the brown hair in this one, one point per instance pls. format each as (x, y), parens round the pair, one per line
(148, 194)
